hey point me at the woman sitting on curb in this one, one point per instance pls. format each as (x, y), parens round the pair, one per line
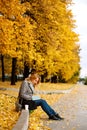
(26, 97)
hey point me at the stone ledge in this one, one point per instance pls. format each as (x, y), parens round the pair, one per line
(23, 121)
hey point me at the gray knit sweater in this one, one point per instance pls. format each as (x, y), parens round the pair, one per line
(26, 90)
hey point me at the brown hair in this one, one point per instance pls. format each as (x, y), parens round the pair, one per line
(34, 76)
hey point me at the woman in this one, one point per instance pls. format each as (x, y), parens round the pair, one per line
(26, 97)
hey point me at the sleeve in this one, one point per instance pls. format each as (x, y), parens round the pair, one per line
(25, 91)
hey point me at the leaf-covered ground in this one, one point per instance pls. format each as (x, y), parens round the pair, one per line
(8, 115)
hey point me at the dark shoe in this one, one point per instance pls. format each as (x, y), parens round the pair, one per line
(53, 117)
(59, 117)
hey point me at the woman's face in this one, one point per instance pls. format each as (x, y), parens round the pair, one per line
(35, 81)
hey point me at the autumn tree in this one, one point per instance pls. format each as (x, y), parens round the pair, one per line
(16, 31)
(56, 39)
(40, 34)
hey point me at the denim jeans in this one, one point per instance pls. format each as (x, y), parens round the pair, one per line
(45, 106)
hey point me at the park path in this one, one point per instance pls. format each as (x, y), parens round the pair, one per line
(73, 107)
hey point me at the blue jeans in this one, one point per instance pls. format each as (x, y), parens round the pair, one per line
(44, 105)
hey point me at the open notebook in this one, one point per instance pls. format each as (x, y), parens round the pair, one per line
(35, 97)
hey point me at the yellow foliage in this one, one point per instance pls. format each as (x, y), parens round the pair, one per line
(41, 34)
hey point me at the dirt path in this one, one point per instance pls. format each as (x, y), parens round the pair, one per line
(73, 107)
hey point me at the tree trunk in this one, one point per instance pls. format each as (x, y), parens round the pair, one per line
(13, 74)
(54, 79)
(26, 70)
(2, 65)
(42, 78)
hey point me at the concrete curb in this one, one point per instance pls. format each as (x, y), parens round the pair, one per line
(11, 89)
(43, 92)
(56, 91)
(23, 121)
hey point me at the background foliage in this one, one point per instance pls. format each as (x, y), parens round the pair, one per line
(41, 35)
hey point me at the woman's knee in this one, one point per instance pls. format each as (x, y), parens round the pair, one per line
(43, 101)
